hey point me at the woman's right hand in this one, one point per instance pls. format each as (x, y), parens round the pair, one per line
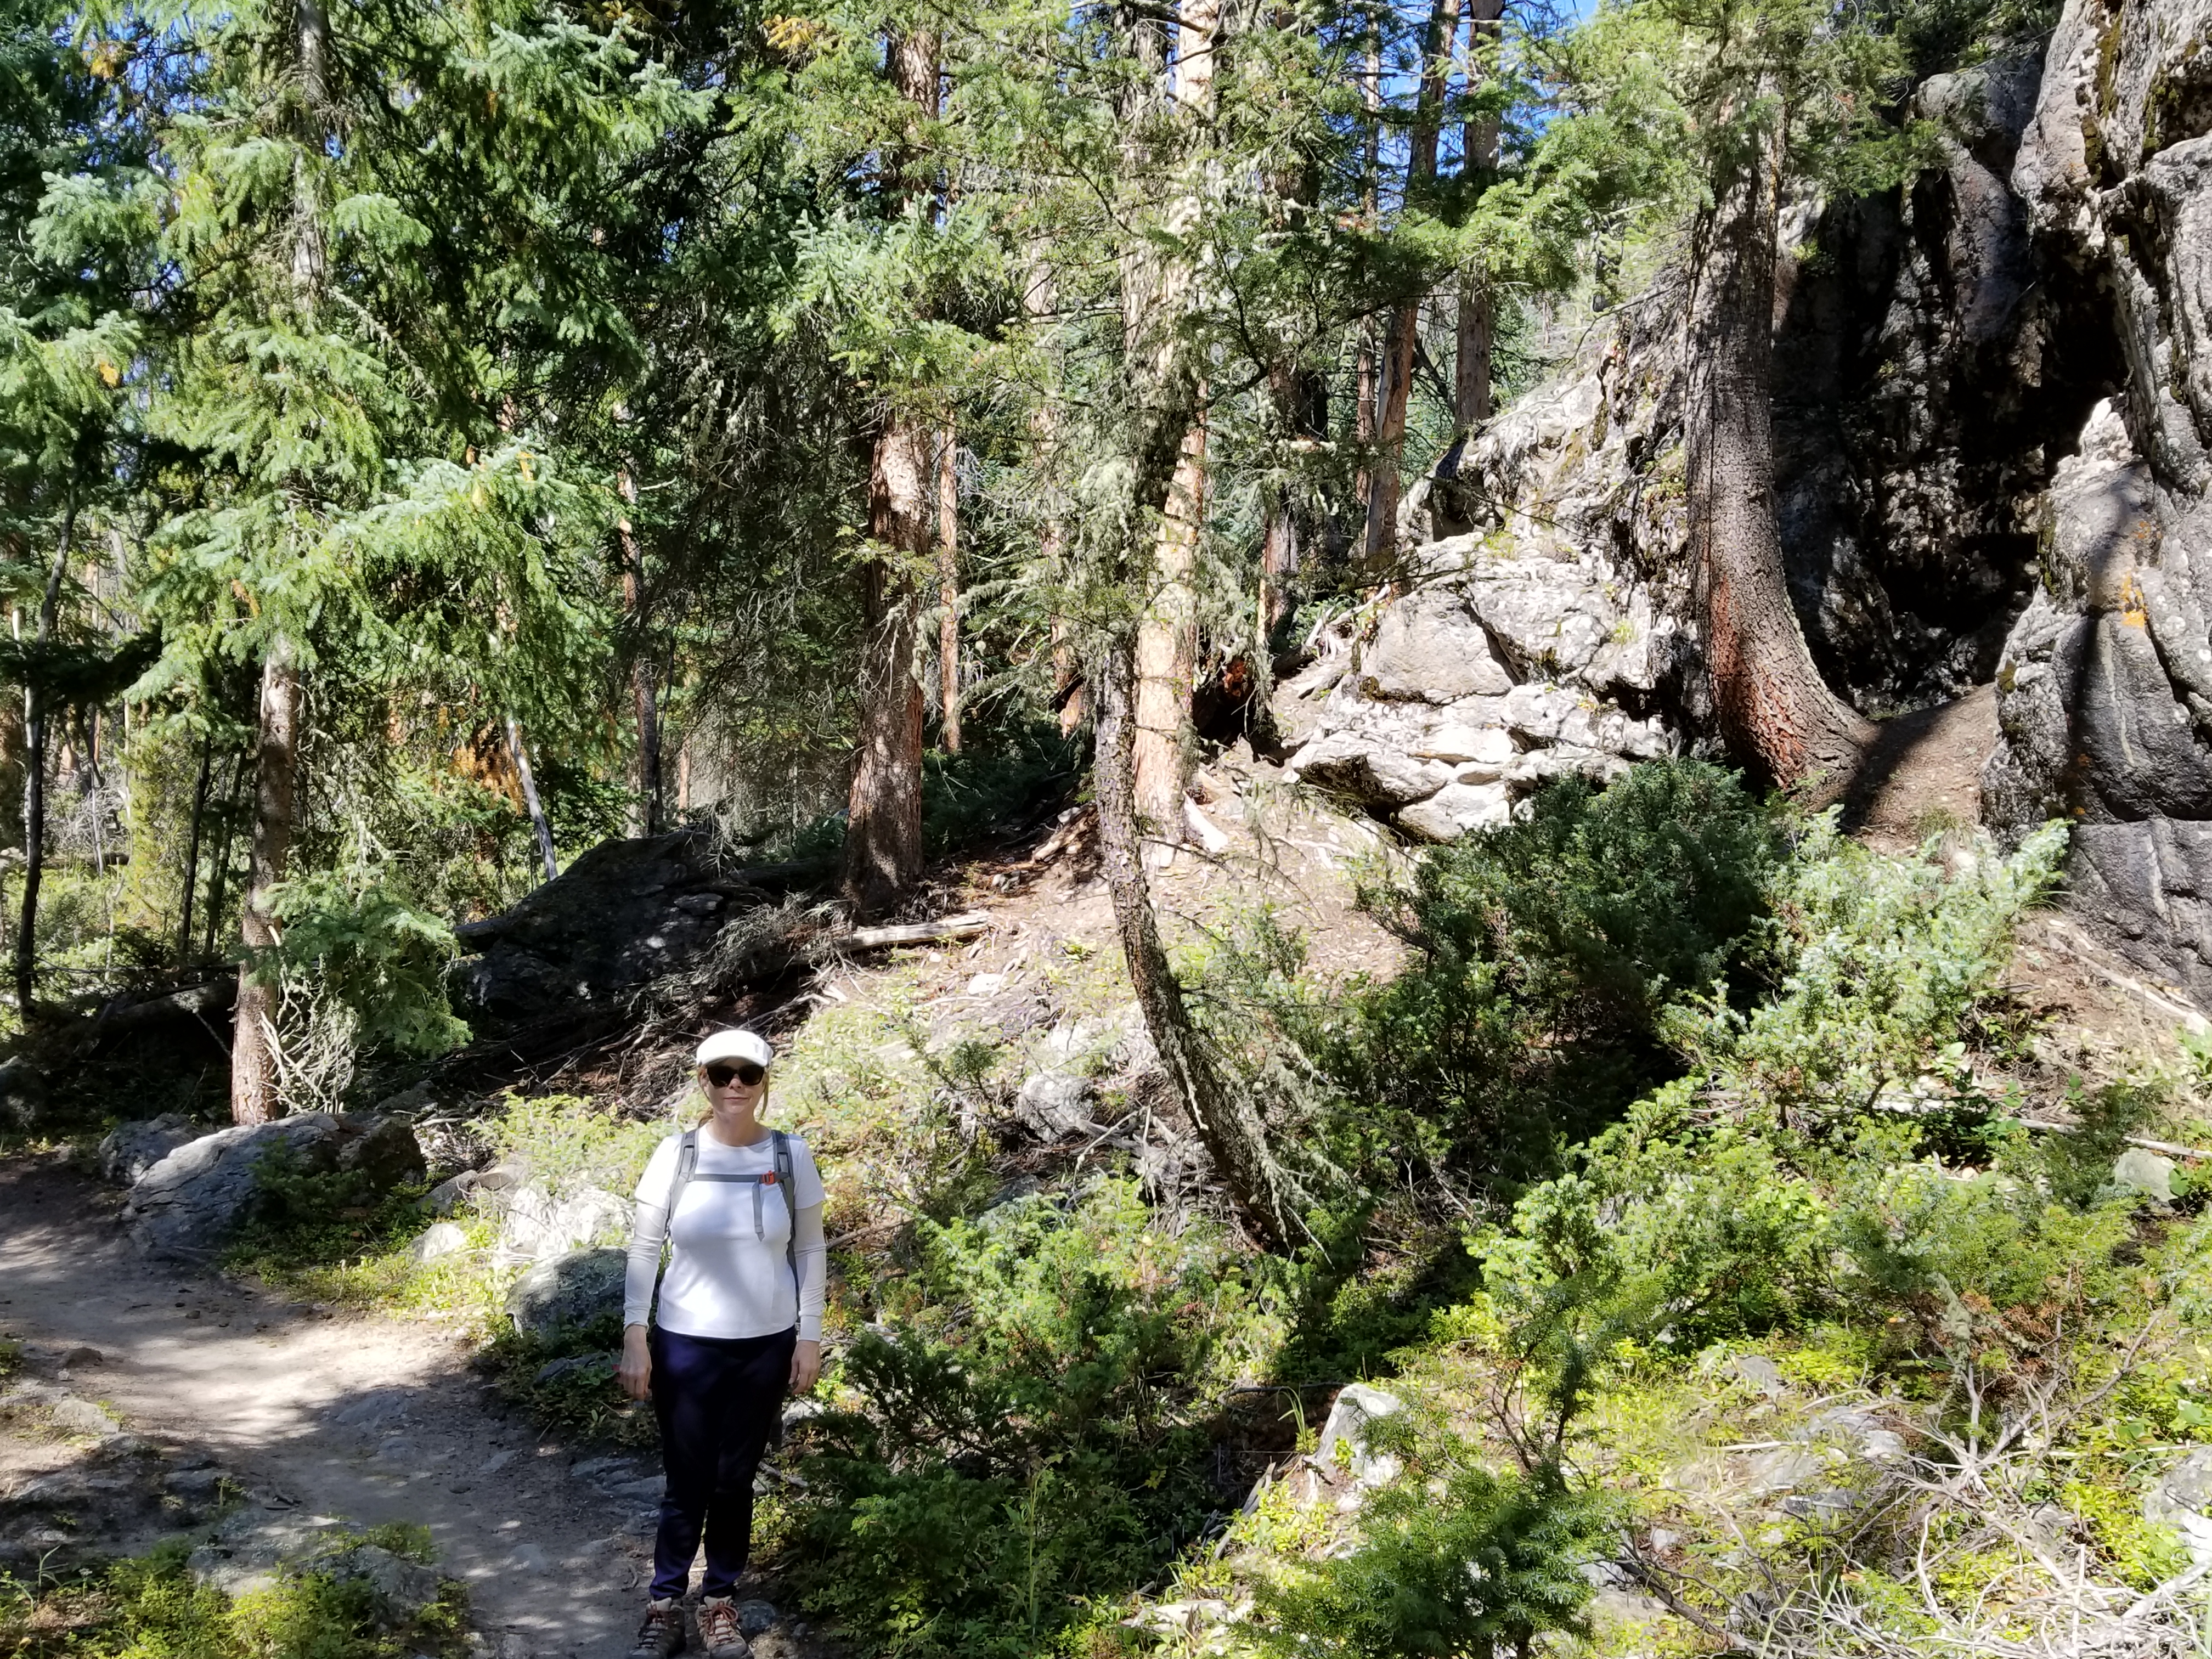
(635, 1372)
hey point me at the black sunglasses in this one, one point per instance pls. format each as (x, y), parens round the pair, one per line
(722, 1072)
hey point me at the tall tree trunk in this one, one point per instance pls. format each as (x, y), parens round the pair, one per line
(1233, 1138)
(1476, 333)
(1405, 332)
(1167, 653)
(1777, 714)
(219, 882)
(253, 1054)
(883, 831)
(644, 693)
(34, 776)
(192, 847)
(538, 822)
(1167, 635)
(948, 591)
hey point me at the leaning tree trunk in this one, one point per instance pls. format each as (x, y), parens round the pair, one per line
(253, 1097)
(1231, 1129)
(1777, 714)
(1167, 653)
(883, 831)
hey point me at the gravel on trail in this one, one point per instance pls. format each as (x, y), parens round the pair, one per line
(325, 1419)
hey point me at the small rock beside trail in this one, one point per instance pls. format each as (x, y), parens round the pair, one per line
(399, 1589)
(1356, 1407)
(567, 1294)
(187, 1206)
(2182, 1499)
(438, 1240)
(131, 1149)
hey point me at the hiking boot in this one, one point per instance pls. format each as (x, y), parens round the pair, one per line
(719, 1634)
(661, 1632)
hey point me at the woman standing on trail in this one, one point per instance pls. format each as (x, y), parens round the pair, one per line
(739, 1319)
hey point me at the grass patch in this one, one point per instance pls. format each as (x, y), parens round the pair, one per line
(149, 1608)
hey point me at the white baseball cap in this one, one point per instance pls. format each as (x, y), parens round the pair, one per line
(734, 1042)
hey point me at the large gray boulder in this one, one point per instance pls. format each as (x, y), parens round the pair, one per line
(399, 1590)
(131, 1149)
(2104, 690)
(568, 1294)
(624, 913)
(188, 1206)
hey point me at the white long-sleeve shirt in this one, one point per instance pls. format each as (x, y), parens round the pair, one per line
(728, 1274)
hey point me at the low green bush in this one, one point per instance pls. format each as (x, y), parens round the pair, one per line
(1543, 954)
(1453, 1560)
(1024, 1427)
(312, 1219)
(1545, 951)
(1884, 971)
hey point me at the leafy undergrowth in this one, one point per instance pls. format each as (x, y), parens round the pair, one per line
(1681, 1186)
(1696, 1185)
(149, 1608)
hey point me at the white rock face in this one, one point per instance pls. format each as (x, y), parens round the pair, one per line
(1504, 666)
(1457, 808)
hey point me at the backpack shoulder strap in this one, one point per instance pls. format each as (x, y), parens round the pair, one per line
(687, 1160)
(783, 1149)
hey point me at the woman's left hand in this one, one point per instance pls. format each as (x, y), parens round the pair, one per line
(805, 1365)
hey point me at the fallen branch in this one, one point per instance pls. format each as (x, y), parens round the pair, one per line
(965, 926)
(216, 996)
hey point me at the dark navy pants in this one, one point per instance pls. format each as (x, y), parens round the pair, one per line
(718, 1400)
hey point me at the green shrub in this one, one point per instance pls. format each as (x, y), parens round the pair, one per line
(1672, 1233)
(1022, 1431)
(1974, 1241)
(1453, 1561)
(564, 1143)
(1881, 968)
(1544, 951)
(309, 1218)
(365, 948)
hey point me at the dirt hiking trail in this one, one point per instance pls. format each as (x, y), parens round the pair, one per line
(331, 1419)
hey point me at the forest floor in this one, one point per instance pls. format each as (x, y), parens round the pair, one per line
(326, 1416)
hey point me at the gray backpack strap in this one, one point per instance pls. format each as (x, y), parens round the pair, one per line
(783, 1178)
(687, 1160)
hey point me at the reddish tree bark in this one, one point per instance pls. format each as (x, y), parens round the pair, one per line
(1405, 329)
(1777, 714)
(883, 831)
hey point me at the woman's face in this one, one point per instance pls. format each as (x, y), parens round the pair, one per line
(727, 1088)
